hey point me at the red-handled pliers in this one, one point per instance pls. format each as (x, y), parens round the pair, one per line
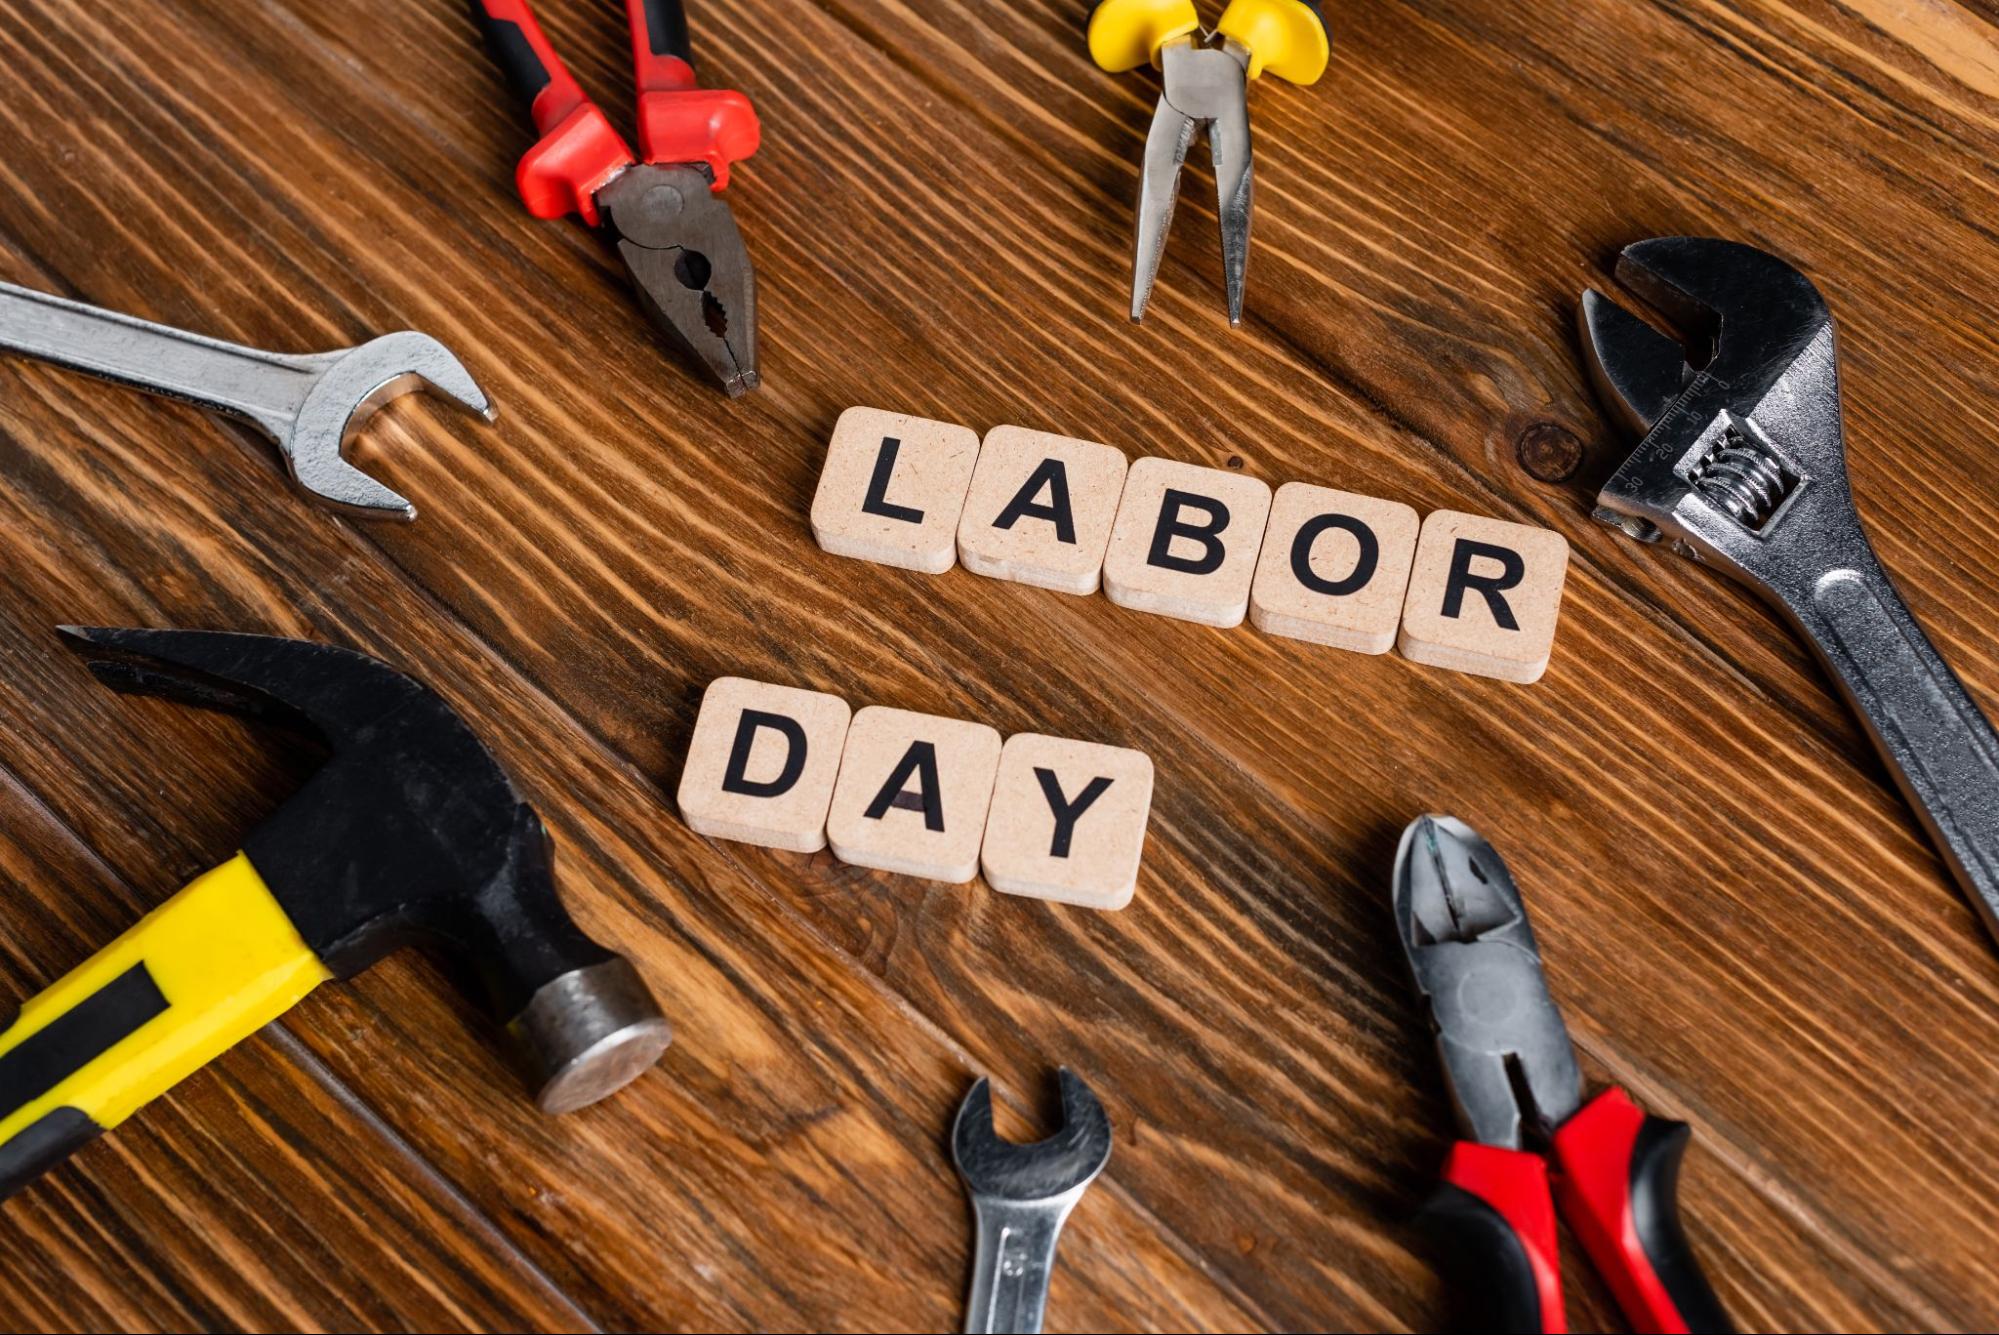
(676, 235)
(1512, 1073)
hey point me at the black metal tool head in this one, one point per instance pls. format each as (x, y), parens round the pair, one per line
(1737, 409)
(1062, 1164)
(1751, 312)
(694, 277)
(411, 833)
(1471, 952)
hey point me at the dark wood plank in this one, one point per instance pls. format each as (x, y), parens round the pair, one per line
(1742, 921)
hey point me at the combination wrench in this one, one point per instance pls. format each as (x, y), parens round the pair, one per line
(1021, 1197)
(1742, 466)
(311, 404)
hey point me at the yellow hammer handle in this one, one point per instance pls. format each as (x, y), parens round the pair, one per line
(213, 965)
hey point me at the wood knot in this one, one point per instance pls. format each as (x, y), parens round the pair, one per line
(1549, 451)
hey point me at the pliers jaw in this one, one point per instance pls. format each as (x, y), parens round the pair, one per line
(1206, 87)
(1471, 952)
(686, 257)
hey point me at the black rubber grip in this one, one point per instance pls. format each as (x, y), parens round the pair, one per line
(1491, 1278)
(78, 1037)
(1655, 1213)
(666, 29)
(41, 1145)
(511, 51)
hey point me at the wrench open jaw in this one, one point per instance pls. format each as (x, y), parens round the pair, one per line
(1727, 444)
(1021, 1197)
(352, 385)
(1742, 466)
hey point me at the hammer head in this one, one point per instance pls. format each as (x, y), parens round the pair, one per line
(410, 833)
(350, 387)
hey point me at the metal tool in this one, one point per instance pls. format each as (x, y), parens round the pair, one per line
(1514, 1080)
(664, 205)
(1021, 1197)
(1205, 77)
(1742, 466)
(410, 834)
(311, 404)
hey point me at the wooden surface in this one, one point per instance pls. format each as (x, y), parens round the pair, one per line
(1743, 923)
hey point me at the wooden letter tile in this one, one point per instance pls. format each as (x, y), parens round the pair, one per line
(1068, 821)
(1185, 542)
(1484, 596)
(892, 489)
(762, 764)
(913, 793)
(1334, 568)
(1040, 509)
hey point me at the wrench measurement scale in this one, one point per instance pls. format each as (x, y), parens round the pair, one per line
(1743, 467)
(310, 404)
(1021, 1197)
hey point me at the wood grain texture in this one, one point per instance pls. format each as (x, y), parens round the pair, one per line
(1744, 925)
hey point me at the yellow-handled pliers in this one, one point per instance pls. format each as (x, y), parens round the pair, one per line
(1206, 85)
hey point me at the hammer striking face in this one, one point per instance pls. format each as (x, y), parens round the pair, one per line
(410, 834)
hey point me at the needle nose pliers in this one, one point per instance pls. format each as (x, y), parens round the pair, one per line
(1206, 78)
(1513, 1077)
(663, 205)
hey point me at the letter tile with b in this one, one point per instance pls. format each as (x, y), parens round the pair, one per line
(913, 793)
(762, 764)
(1186, 541)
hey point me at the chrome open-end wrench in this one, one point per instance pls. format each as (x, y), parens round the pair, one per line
(1742, 465)
(1021, 1197)
(310, 404)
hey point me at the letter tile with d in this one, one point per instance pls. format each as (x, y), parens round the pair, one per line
(762, 764)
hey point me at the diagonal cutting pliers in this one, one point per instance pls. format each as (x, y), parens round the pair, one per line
(1514, 1080)
(1205, 86)
(663, 204)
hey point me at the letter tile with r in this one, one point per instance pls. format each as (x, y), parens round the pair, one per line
(1484, 596)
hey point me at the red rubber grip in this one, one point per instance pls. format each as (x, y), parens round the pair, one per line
(679, 121)
(578, 151)
(1513, 1184)
(1618, 1172)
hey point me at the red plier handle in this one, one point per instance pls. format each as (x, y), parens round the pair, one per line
(1617, 1173)
(578, 152)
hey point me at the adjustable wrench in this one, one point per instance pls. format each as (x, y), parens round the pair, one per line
(1742, 466)
(1021, 1197)
(310, 404)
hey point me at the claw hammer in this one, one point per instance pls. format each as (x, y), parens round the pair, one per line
(411, 833)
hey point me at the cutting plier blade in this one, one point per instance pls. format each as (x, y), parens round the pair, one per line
(1205, 78)
(1471, 951)
(693, 275)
